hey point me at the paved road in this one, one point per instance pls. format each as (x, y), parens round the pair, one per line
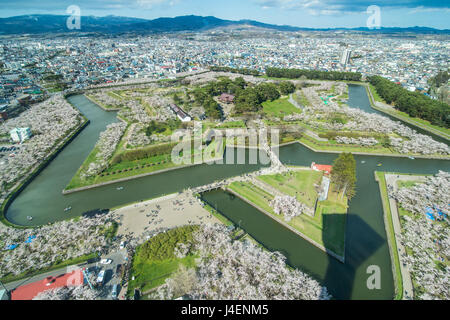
(391, 180)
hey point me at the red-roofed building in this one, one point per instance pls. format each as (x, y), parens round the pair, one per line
(31, 290)
(322, 167)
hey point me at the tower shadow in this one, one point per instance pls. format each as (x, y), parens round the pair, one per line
(349, 279)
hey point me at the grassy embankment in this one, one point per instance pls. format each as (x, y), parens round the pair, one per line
(301, 99)
(391, 235)
(130, 168)
(326, 228)
(279, 108)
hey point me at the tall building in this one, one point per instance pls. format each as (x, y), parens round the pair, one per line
(19, 135)
(346, 56)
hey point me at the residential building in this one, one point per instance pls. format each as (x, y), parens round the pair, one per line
(19, 135)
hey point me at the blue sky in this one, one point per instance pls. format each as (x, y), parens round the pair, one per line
(302, 13)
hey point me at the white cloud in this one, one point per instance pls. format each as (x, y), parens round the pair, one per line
(148, 4)
(334, 7)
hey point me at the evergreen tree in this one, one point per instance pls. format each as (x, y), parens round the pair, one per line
(343, 175)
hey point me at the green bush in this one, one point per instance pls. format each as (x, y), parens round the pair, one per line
(163, 245)
(144, 153)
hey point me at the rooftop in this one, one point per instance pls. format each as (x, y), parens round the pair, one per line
(30, 291)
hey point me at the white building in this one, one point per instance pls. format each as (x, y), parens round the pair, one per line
(346, 56)
(183, 116)
(19, 135)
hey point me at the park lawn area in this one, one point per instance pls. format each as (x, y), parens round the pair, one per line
(333, 146)
(300, 98)
(152, 274)
(333, 214)
(126, 169)
(114, 95)
(299, 184)
(279, 108)
(326, 228)
(232, 124)
(375, 94)
(254, 194)
(155, 260)
(406, 184)
(138, 167)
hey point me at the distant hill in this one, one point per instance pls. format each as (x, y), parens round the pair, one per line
(41, 24)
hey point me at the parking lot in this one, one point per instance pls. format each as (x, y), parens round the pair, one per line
(5, 149)
(112, 273)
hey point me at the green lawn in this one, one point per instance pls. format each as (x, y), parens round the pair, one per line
(333, 146)
(217, 214)
(375, 94)
(151, 274)
(126, 169)
(254, 194)
(299, 184)
(406, 184)
(232, 124)
(155, 260)
(326, 228)
(279, 108)
(300, 98)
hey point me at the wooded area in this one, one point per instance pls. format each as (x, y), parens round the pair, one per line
(415, 104)
(312, 74)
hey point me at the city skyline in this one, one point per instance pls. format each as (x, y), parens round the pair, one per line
(301, 13)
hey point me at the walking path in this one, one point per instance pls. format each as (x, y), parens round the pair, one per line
(391, 183)
(294, 103)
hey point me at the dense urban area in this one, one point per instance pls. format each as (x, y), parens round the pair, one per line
(234, 85)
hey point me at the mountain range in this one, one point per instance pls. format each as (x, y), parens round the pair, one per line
(42, 24)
